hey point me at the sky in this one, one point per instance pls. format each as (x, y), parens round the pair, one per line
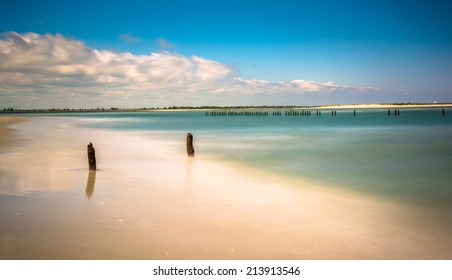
(155, 53)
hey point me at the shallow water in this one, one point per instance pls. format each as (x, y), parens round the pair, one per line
(343, 187)
(405, 157)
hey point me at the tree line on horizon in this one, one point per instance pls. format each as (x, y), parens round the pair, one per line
(205, 107)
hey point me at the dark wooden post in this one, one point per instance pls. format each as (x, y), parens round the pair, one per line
(444, 112)
(91, 157)
(190, 148)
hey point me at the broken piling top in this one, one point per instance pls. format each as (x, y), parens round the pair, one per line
(190, 148)
(91, 157)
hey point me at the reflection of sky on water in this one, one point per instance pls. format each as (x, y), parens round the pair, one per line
(46, 163)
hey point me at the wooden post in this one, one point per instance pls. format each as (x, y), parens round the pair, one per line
(91, 157)
(190, 148)
(354, 112)
(444, 112)
(389, 112)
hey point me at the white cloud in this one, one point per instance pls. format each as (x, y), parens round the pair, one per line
(53, 66)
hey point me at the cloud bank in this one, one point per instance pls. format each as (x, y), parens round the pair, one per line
(52, 68)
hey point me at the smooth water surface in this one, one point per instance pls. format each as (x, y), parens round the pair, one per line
(406, 157)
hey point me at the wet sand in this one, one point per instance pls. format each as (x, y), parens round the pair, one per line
(7, 135)
(149, 201)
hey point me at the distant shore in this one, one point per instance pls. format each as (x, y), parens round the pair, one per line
(6, 111)
(386, 106)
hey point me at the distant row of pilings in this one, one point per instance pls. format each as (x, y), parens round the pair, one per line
(292, 113)
(397, 112)
(237, 114)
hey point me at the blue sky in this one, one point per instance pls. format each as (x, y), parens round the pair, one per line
(224, 52)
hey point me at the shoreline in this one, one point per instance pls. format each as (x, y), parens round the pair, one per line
(386, 106)
(149, 201)
(230, 108)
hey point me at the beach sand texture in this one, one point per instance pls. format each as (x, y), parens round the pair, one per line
(148, 200)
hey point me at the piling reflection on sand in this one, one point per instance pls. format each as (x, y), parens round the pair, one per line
(90, 183)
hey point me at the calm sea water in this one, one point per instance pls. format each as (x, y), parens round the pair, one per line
(389, 176)
(406, 157)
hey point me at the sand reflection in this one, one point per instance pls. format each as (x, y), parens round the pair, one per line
(90, 183)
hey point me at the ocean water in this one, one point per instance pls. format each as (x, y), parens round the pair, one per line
(406, 158)
(369, 186)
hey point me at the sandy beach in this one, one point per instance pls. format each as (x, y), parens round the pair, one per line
(149, 201)
(6, 132)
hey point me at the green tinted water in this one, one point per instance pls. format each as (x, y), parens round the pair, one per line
(406, 157)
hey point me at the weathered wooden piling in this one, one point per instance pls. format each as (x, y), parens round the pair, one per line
(354, 112)
(444, 112)
(91, 157)
(190, 148)
(389, 112)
